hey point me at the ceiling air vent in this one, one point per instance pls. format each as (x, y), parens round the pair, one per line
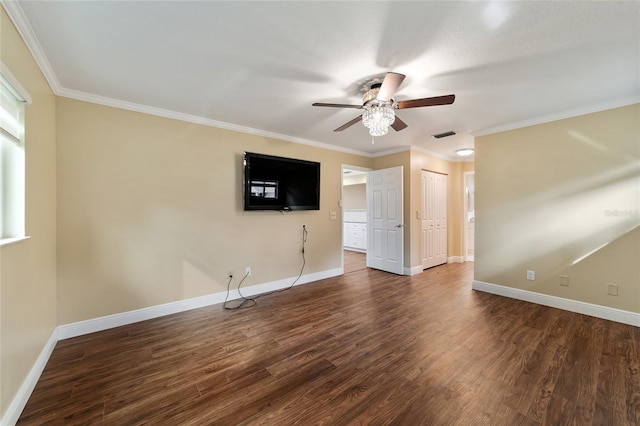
(444, 135)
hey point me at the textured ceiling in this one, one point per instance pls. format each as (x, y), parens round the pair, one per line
(258, 66)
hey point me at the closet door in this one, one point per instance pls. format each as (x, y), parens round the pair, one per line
(434, 219)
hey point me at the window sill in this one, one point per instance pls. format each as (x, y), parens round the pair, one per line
(7, 241)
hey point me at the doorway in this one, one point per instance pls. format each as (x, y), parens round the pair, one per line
(354, 218)
(469, 216)
(372, 220)
(354, 209)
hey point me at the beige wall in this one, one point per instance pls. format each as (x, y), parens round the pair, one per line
(354, 197)
(127, 210)
(562, 198)
(414, 162)
(150, 212)
(28, 268)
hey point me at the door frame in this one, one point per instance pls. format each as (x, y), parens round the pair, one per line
(466, 256)
(344, 167)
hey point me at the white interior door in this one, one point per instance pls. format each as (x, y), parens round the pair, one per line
(385, 225)
(434, 219)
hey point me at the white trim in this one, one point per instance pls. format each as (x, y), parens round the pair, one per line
(19, 401)
(465, 214)
(354, 249)
(450, 159)
(468, 258)
(413, 270)
(8, 241)
(12, 83)
(617, 103)
(160, 112)
(17, 16)
(455, 259)
(93, 325)
(390, 151)
(598, 311)
(20, 21)
(80, 328)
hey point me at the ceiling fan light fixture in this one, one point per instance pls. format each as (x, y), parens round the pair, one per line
(464, 152)
(378, 119)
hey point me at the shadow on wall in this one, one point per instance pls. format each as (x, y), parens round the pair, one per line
(574, 209)
(570, 221)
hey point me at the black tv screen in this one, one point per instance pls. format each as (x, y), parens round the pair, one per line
(278, 183)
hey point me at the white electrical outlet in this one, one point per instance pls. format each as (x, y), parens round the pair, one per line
(247, 270)
(564, 280)
(531, 275)
(612, 289)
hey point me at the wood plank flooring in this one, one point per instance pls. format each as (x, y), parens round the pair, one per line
(364, 348)
(354, 261)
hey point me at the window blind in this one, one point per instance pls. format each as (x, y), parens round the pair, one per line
(10, 113)
(12, 158)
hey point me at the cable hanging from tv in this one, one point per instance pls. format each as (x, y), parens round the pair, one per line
(249, 302)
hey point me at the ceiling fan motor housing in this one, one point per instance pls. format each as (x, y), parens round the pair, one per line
(379, 106)
(370, 97)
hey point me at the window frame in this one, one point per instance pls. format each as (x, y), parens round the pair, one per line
(12, 157)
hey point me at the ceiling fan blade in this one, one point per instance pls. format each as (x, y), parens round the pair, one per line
(348, 124)
(390, 84)
(398, 124)
(320, 104)
(436, 100)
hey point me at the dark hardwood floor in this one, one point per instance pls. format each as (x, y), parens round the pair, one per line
(354, 261)
(364, 348)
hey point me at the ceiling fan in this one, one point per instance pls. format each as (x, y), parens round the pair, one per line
(379, 106)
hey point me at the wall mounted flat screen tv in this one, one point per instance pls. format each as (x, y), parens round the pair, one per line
(278, 183)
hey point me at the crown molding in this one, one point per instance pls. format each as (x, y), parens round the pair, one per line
(390, 151)
(160, 112)
(616, 103)
(17, 16)
(421, 150)
(437, 155)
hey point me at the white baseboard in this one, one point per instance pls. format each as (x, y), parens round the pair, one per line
(611, 314)
(413, 271)
(111, 321)
(80, 328)
(19, 401)
(357, 250)
(418, 269)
